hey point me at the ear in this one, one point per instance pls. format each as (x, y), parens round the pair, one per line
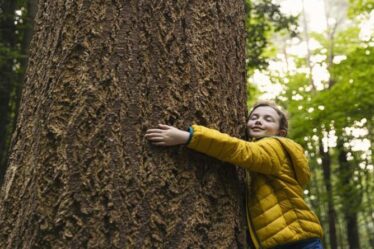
(282, 133)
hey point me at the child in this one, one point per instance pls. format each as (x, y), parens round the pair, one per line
(277, 214)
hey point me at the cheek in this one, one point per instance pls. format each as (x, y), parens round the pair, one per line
(275, 128)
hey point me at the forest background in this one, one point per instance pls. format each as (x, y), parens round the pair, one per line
(323, 78)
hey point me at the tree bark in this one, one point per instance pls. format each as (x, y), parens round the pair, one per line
(100, 73)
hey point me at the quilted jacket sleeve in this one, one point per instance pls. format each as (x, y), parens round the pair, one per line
(264, 156)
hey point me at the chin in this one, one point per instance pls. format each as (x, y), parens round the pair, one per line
(257, 136)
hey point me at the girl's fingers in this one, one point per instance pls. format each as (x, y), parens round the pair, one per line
(156, 138)
(164, 127)
(153, 135)
(154, 131)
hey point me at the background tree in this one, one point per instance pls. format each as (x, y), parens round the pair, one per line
(7, 75)
(15, 33)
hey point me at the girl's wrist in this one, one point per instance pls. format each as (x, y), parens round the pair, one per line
(183, 137)
(190, 134)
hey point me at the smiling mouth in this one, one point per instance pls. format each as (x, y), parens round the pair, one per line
(257, 128)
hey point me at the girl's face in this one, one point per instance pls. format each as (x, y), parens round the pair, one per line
(263, 122)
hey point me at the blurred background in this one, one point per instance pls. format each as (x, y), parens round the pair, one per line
(322, 74)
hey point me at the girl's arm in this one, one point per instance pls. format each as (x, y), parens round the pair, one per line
(263, 156)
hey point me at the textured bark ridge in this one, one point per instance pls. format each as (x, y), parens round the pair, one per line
(100, 73)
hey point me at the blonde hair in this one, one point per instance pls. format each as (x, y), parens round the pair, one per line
(283, 122)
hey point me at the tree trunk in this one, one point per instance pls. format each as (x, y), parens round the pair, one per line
(349, 197)
(308, 52)
(368, 190)
(7, 75)
(326, 166)
(367, 217)
(31, 10)
(100, 73)
(317, 203)
(17, 39)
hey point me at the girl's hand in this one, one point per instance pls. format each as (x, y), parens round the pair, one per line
(167, 135)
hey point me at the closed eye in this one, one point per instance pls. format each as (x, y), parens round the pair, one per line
(269, 119)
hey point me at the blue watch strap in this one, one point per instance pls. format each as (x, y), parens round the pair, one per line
(190, 130)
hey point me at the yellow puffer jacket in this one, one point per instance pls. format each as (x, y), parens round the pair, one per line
(276, 211)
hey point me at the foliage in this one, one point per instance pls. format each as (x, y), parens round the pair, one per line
(360, 6)
(355, 77)
(264, 18)
(352, 93)
(252, 94)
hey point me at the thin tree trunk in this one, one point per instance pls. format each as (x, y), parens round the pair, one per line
(325, 156)
(80, 174)
(308, 52)
(370, 208)
(341, 233)
(349, 197)
(31, 10)
(17, 76)
(365, 196)
(7, 75)
(318, 204)
(326, 166)
(367, 216)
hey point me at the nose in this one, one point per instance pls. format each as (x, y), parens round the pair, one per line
(258, 122)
